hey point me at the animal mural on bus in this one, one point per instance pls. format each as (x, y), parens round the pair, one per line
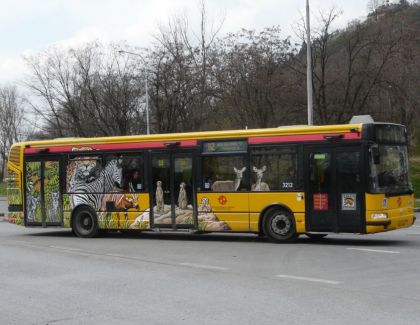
(229, 186)
(207, 219)
(54, 208)
(122, 204)
(88, 190)
(51, 182)
(184, 212)
(90, 184)
(162, 213)
(259, 186)
(33, 191)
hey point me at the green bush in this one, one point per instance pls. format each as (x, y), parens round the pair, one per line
(415, 175)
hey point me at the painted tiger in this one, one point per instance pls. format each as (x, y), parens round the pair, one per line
(86, 170)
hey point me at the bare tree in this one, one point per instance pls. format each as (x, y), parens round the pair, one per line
(254, 80)
(87, 91)
(11, 117)
(183, 80)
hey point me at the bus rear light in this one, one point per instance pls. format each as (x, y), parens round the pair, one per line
(376, 216)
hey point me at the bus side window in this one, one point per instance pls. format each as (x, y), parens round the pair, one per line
(125, 174)
(225, 173)
(274, 169)
(133, 177)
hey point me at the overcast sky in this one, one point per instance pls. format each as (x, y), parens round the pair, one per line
(28, 26)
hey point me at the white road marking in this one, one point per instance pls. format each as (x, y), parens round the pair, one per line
(119, 256)
(372, 250)
(65, 248)
(302, 278)
(204, 266)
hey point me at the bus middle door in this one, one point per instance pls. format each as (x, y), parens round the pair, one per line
(333, 183)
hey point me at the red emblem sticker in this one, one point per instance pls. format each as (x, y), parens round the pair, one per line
(222, 199)
(320, 201)
(399, 201)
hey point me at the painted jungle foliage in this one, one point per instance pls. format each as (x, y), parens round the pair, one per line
(14, 194)
(52, 191)
(33, 191)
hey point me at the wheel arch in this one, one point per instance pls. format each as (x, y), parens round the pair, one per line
(267, 210)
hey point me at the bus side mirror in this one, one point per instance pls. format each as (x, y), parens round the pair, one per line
(375, 154)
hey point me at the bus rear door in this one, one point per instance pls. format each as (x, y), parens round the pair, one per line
(42, 192)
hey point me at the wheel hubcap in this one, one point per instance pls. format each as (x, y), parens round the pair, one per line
(281, 224)
(86, 222)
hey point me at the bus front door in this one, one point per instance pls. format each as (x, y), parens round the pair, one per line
(333, 186)
(172, 193)
(42, 192)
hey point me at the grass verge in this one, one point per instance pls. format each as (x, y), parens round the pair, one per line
(3, 189)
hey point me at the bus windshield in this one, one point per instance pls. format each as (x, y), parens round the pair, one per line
(390, 175)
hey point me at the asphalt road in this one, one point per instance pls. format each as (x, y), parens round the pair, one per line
(50, 277)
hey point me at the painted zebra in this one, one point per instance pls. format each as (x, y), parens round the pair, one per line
(90, 193)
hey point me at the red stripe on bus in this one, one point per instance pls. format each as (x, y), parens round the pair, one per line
(300, 138)
(111, 146)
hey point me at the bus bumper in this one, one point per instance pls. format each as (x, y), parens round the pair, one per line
(15, 218)
(392, 223)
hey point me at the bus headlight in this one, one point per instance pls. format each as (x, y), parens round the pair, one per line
(376, 216)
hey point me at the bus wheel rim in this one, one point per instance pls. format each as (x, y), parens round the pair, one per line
(281, 224)
(86, 222)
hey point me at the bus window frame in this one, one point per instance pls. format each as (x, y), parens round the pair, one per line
(299, 163)
(102, 155)
(130, 155)
(200, 180)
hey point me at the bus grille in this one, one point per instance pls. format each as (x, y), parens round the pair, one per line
(14, 155)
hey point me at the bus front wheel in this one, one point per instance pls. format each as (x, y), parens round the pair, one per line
(85, 223)
(279, 226)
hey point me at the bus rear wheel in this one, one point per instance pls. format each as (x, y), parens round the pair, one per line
(279, 226)
(85, 223)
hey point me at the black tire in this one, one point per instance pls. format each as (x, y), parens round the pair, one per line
(279, 226)
(85, 223)
(316, 236)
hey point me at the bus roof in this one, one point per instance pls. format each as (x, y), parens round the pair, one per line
(203, 135)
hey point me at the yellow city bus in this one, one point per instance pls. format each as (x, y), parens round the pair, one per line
(276, 182)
